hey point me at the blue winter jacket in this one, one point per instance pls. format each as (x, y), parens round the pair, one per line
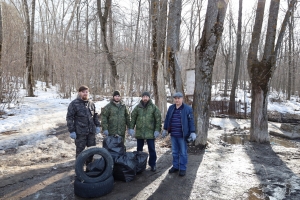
(187, 120)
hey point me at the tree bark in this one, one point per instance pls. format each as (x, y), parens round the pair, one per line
(238, 60)
(226, 51)
(205, 54)
(158, 23)
(1, 41)
(173, 65)
(45, 46)
(261, 72)
(103, 23)
(134, 50)
(289, 86)
(29, 47)
(87, 27)
(292, 27)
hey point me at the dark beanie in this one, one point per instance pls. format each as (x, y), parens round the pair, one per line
(146, 94)
(116, 93)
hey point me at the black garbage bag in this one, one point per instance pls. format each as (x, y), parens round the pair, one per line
(141, 161)
(96, 167)
(115, 146)
(125, 167)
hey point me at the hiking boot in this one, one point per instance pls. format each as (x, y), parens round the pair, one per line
(182, 173)
(153, 169)
(173, 170)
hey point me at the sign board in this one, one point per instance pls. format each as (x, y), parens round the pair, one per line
(190, 81)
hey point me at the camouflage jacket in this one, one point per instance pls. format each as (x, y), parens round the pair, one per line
(82, 117)
(115, 118)
(146, 119)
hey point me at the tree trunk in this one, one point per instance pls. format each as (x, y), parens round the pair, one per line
(191, 37)
(134, 50)
(289, 86)
(227, 55)
(29, 46)
(238, 60)
(158, 17)
(261, 72)
(1, 41)
(205, 54)
(45, 46)
(292, 26)
(87, 27)
(114, 81)
(173, 65)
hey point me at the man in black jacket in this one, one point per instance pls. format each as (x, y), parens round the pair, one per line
(82, 121)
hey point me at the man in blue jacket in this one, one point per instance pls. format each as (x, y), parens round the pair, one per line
(180, 123)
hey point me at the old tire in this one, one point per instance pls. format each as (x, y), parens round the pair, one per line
(92, 190)
(80, 162)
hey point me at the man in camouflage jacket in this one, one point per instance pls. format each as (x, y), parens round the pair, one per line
(82, 121)
(115, 117)
(146, 118)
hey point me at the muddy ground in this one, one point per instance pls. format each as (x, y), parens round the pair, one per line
(45, 170)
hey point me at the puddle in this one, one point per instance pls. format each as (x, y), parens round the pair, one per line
(272, 191)
(257, 193)
(242, 139)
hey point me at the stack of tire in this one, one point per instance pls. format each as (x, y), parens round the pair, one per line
(93, 186)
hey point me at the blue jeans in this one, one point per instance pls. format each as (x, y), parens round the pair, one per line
(179, 152)
(151, 150)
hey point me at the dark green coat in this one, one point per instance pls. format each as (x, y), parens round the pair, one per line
(115, 118)
(146, 120)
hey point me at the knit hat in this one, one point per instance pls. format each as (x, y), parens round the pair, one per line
(146, 94)
(116, 93)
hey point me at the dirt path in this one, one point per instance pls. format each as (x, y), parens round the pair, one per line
(251, 171)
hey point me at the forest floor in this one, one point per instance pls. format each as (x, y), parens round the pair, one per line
(45, 170)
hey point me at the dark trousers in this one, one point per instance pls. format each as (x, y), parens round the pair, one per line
(83, 141)
(151, 150)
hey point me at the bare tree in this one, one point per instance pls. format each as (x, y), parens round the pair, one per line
(291, 70)
(261, 72)
(205, 52)
(158, 17)
(173, 65)
(29, 46)
(114, 81)
(134, 49)
(1, 41)
(226, 52)
(238, 59)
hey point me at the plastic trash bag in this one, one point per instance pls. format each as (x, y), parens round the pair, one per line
(96, 167)
(125, 167)
(115, 146)
(141, 161)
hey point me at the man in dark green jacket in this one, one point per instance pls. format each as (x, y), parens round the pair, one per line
(115, 117)
(146, 118)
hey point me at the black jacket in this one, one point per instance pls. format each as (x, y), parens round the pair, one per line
(82, 117)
